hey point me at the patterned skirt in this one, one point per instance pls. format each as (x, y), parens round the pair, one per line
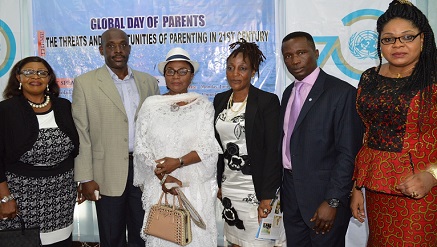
(239, 189)
(47, 202)
(401, 221)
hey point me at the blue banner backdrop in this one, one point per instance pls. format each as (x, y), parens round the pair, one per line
(67, 34)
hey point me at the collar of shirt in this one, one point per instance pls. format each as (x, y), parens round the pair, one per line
(311, 78)
(115, 77)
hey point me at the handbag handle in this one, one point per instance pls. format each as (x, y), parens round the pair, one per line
(23, 225)
(163, 194)
(160, 199)
(179, 199)
(166, 203)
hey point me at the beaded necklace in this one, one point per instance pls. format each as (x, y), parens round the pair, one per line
(230, 103)
(40, 105)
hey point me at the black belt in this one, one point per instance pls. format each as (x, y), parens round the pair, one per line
(288, 171)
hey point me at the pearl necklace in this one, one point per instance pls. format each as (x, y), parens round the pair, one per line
(230, 104)
(41, 105)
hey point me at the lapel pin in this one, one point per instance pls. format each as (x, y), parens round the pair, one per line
(310, 99)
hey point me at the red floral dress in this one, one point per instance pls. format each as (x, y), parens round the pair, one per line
(393, 150)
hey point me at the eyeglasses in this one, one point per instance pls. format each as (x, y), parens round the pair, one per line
(31, 72)
(403, 39)
(180, 72)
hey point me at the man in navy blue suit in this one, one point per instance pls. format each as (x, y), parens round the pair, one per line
(321, 136)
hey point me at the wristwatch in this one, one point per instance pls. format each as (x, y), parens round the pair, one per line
(7, 198)
(333, 202)
(181, 161)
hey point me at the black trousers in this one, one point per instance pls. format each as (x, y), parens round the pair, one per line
(298, 233)
(116, 213)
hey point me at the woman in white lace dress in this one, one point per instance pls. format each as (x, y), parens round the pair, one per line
(175, 138)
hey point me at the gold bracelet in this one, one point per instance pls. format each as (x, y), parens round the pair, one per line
(433, 170)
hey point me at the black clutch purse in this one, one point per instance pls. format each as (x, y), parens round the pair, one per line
(23, 237)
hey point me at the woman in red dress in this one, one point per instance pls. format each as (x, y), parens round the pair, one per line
(397, 102)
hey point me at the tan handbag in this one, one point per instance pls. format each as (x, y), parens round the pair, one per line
(169, 222)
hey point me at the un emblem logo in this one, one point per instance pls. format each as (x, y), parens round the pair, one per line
(363, 44)
(7, 48)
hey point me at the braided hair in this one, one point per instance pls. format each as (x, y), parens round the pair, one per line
(249, 50)
(424, 74)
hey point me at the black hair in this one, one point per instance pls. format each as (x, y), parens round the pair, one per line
(300, 34)
(12, 90)
(424, 72)
(249, 50)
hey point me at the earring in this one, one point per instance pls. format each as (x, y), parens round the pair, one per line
(48, 88)
(19, 87)
(421, 47)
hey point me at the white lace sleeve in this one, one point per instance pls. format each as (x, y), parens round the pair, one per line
(144, 160)
(206, 145)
